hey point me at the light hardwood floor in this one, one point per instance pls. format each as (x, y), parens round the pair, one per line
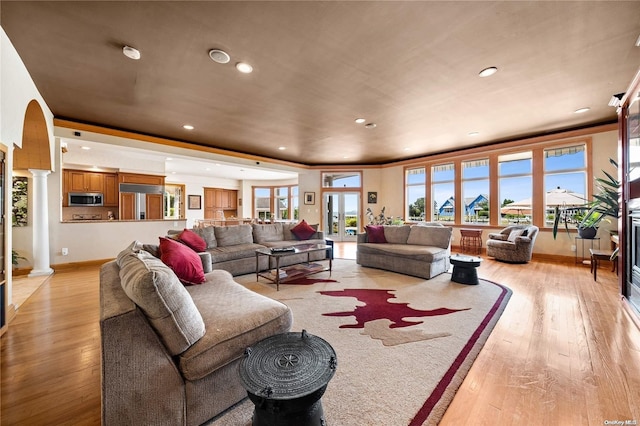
(564, 352)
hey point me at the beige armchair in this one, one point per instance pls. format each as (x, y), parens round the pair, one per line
(514, 244)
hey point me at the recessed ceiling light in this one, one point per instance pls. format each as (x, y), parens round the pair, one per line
(244, 68)
(169, 159)
(86, 148)
(219, 56)
(282, 148)
(488, 71)
(370, 125)
(581, 110)
(360, 120)
(473, 133)
(188, 127)
(406, 148)
(131, 52)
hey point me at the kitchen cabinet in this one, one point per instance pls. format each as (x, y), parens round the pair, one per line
(218, 200)
(152, 208)
(83, 181)
(127, 206)
(140, 179)
(110, 190)
(80, 181)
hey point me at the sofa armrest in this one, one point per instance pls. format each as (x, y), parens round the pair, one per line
(499, 237)
(205, 258)
(361, 238)
(319, 235)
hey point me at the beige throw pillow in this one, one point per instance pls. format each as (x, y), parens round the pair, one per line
(156, 290)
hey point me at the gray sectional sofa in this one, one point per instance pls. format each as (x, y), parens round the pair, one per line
(170, 353)
(233, 248)
(421, 251)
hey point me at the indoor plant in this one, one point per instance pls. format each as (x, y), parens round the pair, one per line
(605, 204)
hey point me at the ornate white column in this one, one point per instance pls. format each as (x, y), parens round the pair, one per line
(40, 214)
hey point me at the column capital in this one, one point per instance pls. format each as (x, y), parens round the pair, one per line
(39, 172)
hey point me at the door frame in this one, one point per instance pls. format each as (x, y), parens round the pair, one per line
(341, 235)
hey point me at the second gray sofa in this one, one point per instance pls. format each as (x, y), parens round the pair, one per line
(421, 251)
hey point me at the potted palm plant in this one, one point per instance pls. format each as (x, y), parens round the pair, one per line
(605, 205)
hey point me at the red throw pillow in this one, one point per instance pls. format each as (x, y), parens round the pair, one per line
(303, 231)
(375, 234)
(182, 260)
(193, 240)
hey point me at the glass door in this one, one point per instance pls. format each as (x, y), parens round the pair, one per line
(341, 211)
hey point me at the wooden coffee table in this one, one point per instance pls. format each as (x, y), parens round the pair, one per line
(294, 271)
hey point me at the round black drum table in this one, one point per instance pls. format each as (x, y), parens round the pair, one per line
(464, 269)
(285, 376)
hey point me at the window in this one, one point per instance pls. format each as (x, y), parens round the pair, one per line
(565, 181)
(173, 201)
(515, 187)
(416, 191)
(275, 202)
(341, 180)
(443, 192)
(262, 203)
(282, 202)
(475, 191)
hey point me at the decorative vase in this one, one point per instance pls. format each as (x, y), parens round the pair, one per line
(588, 233)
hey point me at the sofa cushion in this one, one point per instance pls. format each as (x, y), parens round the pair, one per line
(430, 236)
(236, 318)
(234, 252)
(156, 290)
(267, 233)
(428, 254)
(182, 260)
(375, 234)
(303, 231)
(233, 235)
(208, 235)
(193, 240)
(395, 234)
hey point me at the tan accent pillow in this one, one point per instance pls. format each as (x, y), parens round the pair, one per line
(156, 290)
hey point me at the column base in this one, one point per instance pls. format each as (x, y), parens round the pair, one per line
(39, 273)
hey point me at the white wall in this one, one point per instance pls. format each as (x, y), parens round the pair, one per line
(16, 91)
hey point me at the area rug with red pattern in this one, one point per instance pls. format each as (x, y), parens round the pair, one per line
(404, 344)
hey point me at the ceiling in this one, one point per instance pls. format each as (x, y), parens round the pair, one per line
(409, 67)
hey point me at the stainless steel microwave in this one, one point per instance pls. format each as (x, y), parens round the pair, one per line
(85, 199)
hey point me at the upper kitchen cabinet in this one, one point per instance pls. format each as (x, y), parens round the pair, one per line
(94, 182)
(80, 181)
(140, 179)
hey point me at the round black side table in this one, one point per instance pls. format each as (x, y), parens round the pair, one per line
(464, 269)
(285, 377)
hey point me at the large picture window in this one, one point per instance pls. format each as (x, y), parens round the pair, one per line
(443, 192)
(416, 192)
(515, 187)
(502, 186)
(475, 191)
(565, 182)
